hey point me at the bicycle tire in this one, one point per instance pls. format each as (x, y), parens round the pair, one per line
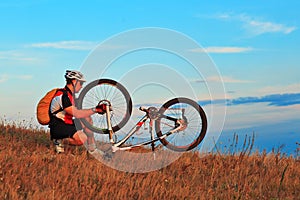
(191, 136)
(108, 90)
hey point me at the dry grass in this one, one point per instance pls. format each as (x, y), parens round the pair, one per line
(29, 169)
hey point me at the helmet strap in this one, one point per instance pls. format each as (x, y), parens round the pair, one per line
(73, 85)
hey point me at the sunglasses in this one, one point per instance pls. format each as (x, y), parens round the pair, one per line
(81, 83)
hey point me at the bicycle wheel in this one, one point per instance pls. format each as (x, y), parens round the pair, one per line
(193, 120)
(110, 91)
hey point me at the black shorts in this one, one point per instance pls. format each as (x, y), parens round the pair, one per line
(61, 130)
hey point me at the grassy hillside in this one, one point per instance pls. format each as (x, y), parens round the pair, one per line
(29, 169)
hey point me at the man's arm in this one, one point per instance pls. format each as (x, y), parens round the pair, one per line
(72, 110)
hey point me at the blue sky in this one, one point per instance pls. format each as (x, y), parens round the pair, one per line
(254, 44)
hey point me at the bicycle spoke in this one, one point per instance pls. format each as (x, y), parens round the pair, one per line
(109, 91)
(191, 124)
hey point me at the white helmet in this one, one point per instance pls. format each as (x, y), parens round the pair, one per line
(73, 74)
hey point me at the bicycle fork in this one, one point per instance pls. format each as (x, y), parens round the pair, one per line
(152, 137)
(151, 133)
(109, 124)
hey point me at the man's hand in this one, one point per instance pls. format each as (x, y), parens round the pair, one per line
(101, 109)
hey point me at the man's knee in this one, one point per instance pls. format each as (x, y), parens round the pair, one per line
(80, 137)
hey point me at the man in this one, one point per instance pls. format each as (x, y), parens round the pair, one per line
(64, 115)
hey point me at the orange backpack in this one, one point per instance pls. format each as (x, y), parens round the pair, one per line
(42, 111)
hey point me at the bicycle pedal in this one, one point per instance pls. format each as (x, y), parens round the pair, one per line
(115, 149)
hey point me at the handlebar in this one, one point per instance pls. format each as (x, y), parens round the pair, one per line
(143, 109)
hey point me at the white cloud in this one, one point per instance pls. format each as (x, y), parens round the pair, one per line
(256, 26)
(3, 78)
(6, 77)
(74, 45)
(222, 49)
(227, 79)
(292, 88)
(261, 27)
(71, 45)
(24, 77)
(16, 55)
(244, 116)
(224, 79)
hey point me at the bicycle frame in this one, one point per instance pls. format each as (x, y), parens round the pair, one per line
(180, 114)
(116, 145)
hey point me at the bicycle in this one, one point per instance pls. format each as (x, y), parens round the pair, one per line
(180, 123)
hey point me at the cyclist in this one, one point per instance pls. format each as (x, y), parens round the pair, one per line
(64, 123)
